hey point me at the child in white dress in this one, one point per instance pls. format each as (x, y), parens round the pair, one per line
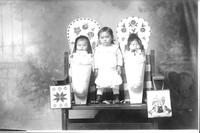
(134, 62)
(108, 62)
(81, 62)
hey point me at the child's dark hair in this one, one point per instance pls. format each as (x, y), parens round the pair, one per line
(109, 30)
(131, 38)
(89, 48)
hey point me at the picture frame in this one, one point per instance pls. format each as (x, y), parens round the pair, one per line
(159, 103)
(60, 97)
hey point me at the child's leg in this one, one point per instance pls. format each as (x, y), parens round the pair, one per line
(115, 90)
(99, 91)
(99, 95)
(116, 94)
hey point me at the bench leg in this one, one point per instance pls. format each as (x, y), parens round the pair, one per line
(155, 123)
(64, 116)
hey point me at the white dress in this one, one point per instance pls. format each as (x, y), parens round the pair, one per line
(106, 59)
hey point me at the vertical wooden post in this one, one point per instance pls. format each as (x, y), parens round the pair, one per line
(66, 64)
(153, 69)
(65, 112)
(155, 123)
(148, 73)
(64, 116)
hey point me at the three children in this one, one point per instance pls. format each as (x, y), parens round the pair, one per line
(107, 60)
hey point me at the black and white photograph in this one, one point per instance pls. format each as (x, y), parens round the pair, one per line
(99, 66)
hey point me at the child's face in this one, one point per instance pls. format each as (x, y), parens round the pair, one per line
(134, 46)
(82, 45)
(105, 38)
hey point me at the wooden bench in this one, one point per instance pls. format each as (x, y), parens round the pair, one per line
(121, 111)
(140, 109)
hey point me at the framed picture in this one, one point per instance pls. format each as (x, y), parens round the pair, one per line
(60, 96)
(159, 103)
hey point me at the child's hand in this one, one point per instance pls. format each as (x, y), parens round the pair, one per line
(119, 70)
(95, 73)
(71, 56)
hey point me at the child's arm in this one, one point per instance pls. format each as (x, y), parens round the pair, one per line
(95, 73)
(119, 61)
(96, 62)
(119, 70)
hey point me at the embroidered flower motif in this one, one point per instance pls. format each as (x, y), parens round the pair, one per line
(93, 45)
(85, 26)
(133, 22)
(123, 30)
(82, 26)
(133, 30)
(90, 35)
(142, 29)
(77, 30)
(60, 97)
